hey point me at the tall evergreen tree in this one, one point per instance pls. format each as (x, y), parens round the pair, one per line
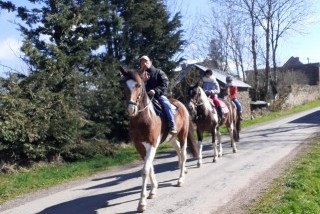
(73, 49)
(57, 44)
(146, 29)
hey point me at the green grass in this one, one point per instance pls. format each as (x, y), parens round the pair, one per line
(44, 176)
(298, 190)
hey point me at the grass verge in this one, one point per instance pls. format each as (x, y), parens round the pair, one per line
(298, 189)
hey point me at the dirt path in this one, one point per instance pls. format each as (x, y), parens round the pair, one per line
(227, 186)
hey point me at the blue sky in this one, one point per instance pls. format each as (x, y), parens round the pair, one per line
(305, 46)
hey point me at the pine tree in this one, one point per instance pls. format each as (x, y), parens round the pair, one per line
(73, 49)
(57, 46)
(146, 29)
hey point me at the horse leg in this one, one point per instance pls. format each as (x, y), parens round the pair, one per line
(199, 134)
(154, 184)
(219, 142)
(238, 128)
(176, 145)
(183, 169)
(182, 154)
(233, 143)
(214, 145)
(150, 154)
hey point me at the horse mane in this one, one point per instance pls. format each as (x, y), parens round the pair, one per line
(131, 74)
(206, 102)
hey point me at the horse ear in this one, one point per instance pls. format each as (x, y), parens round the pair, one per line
(197, 84)
(123, 71)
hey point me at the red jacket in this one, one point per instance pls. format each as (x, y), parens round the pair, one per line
(232, 92)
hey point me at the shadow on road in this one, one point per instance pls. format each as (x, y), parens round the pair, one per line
(313, 118)
(89, 204)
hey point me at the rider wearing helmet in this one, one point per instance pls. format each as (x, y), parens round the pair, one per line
(232, 91)
(212, 89)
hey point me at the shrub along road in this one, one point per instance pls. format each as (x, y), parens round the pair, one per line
(223, 187)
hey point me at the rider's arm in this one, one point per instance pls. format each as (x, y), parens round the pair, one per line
(163, 83)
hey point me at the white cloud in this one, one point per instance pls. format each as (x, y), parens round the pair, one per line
(9, 50)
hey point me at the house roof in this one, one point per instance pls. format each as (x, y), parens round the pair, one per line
(217, 73)
(292, 62)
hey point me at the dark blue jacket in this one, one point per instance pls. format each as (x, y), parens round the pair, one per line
(158, 81)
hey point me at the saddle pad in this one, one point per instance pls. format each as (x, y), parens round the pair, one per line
(224, 108)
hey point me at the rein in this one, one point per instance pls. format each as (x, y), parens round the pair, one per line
(141, 110)
(197, 104)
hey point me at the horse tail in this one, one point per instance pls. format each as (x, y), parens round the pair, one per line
(236, 122)
(238, 127)
(191, 143)
(235, 134)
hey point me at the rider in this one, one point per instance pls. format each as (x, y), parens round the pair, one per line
(212, 89)
(157, 84)
(232, 91)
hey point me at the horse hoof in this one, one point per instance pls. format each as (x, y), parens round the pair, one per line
(180, 184)
(199, 165)
(141, 208)
(214, 160)
(234, 151)
(152, 196)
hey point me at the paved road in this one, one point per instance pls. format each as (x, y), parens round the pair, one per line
(209, 189)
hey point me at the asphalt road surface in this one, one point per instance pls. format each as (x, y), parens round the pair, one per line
(226, 186)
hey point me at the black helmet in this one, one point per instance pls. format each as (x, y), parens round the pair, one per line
(208, 71)
(229, 79)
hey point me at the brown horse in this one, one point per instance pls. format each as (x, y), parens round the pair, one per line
(205, 118)
(148, 130)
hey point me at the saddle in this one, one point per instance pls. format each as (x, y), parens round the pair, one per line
(159, 109)
(214, 110)
(224, 108)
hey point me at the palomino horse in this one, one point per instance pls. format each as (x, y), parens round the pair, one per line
(148, 130)
(205, 118)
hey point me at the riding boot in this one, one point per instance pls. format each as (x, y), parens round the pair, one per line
(240, 115)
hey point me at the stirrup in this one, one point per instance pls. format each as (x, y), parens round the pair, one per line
(221, 119)
(173, 130)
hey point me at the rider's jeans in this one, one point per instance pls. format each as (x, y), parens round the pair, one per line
(165, 103)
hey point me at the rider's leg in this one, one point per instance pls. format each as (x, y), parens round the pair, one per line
(164, 101)
(239, 107)
(217, 103)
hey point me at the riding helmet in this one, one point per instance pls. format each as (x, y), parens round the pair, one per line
(229, 79)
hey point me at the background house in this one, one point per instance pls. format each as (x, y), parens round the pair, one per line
(310, 71)
(193, 73)
(297, 83)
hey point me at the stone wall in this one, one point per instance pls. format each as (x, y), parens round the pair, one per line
(243, 97)
(245, 100)
(301, 94)
(295, 95)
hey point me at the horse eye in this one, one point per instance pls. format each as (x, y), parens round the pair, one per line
(138, 85)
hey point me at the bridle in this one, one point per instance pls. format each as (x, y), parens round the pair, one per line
(138, 100)
(196, 102)
(144, 108)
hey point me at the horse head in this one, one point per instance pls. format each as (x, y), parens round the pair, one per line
(134, 91)
(194, 95)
